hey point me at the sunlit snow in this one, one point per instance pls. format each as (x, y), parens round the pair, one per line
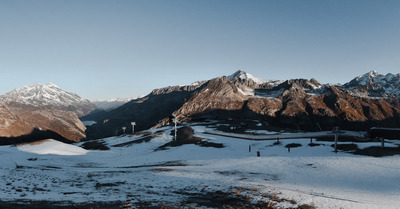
(136, 172)
(51, 146)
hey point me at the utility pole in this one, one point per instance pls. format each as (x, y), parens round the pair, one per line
(133, 127)
(336, 131)
(319, 127)
(175, 121)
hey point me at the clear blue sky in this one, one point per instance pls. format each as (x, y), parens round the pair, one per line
(109, 49)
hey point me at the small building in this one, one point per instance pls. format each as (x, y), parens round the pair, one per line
(386, 133)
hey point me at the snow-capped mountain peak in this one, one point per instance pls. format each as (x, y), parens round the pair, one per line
(375, 84)
(52, 85)
(49, 95)
(372, 73)
(366, 78)
(242, 75)
(245, 76)
(42, 94)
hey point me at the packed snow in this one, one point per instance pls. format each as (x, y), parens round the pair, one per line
(139, 172)
(51, 146)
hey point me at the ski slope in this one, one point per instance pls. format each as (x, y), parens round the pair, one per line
(134, 172)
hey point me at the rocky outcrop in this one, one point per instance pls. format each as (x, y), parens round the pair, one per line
(265, 106)
(217, 94)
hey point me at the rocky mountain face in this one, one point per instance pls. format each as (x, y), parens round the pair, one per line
(42, 111)
(27, 123)
(297, 104)
(147, 111)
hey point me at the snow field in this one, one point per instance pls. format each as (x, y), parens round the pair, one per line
(136, 173)
(51, 146)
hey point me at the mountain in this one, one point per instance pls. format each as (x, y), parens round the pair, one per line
(146, 111)
(29, 123)
(49, 96)
(244, 76)
(373, 84)
(111, 104)
(299, 104)
(42, 111)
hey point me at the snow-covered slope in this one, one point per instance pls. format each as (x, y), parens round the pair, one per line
(242, 75)
(246, 83)
(375, 85)
(133, 172)
(49, 96)
(53, 147)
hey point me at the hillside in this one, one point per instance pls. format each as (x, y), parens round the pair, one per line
(298, 104)
(41, 111)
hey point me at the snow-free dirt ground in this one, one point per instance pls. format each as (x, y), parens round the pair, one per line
(133, 174)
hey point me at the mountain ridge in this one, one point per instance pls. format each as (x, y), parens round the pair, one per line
(301, 104)
(373, 84)
(296, 103)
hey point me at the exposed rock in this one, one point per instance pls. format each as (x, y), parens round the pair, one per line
(297, 104)
(345, 106)
(294, 101)
(265, 106)
(303, 84)
(218, 93)
(24, 119)
(149, 111)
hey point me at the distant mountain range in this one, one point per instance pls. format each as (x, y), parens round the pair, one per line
(47, 111)
(373, 84)
(111, 104)
(368, 100)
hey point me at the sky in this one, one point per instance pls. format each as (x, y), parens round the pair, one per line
(119, 49)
